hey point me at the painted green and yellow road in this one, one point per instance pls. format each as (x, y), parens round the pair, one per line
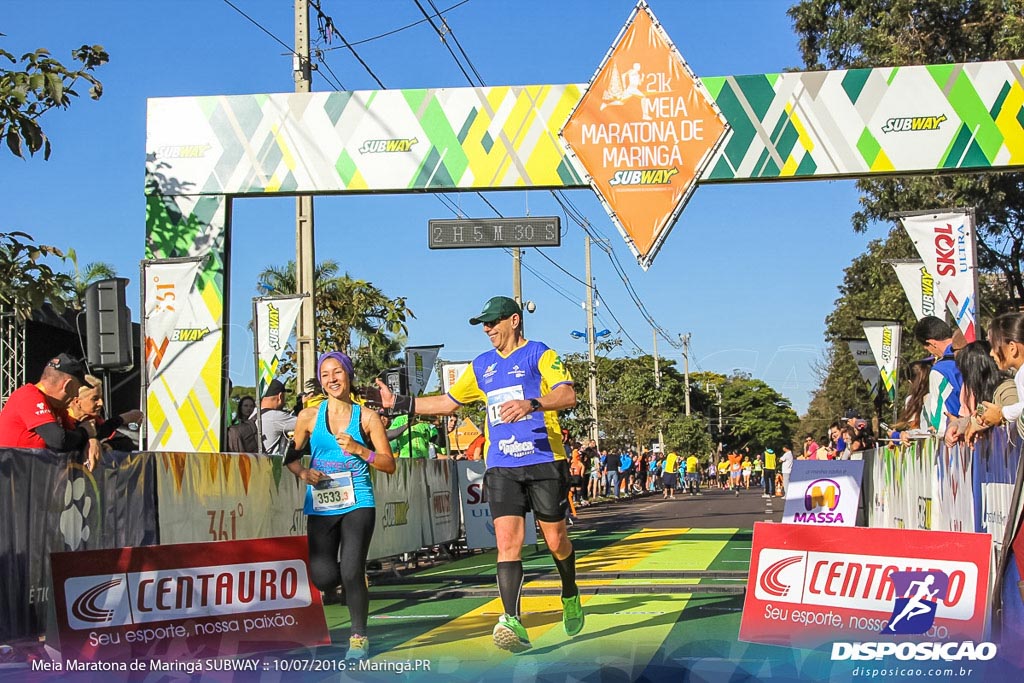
(626, 631)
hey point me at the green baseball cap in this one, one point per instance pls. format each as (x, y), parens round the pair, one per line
(497, 308)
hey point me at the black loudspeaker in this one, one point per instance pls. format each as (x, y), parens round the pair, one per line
(108, 325)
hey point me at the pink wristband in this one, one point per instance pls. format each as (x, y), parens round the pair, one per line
(371, 457)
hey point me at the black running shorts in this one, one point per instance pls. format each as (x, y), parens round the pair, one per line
(543, 488)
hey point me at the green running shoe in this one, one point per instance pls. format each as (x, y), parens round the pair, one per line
(572, 615)
(358, 648)
(510, 634)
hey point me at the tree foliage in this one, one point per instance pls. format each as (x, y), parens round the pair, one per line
(28, 280)
(36, 83)
(351, 315)
(632, 408)
(841, 34)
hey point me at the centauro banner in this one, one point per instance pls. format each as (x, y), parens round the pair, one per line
(945, 241)
(184, 603)
(865, 360)
(180, 339)
(275, 317)
(920, 287)
(884, 338)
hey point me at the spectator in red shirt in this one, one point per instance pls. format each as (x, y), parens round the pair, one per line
(36, 416)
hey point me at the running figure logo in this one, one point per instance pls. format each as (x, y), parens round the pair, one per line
(623, 87)
(917, 596)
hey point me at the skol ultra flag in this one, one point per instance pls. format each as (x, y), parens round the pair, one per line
(945, 241)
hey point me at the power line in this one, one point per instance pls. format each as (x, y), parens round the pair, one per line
(458, 44)
(402, 28)
(263, 28)
(449, 47)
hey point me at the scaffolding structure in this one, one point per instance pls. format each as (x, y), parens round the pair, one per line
(12, 354)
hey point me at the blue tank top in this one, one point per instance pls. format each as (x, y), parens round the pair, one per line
(330, 459)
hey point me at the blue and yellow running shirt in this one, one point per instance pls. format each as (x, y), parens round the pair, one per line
(531, 371)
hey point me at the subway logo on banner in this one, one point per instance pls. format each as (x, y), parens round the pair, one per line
(384, 146)
(861, 582)
(644, 176)
(161, 595)
(190, 334)
(909, 123)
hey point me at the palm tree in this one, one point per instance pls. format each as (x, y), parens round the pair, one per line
(351, 315)
(83, 277)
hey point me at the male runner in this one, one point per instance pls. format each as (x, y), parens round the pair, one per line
(524, 384)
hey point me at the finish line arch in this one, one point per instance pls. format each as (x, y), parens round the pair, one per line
(203, 152)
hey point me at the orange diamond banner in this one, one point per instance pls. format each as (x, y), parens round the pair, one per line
(643, 132)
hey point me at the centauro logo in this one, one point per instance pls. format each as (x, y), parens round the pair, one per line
(382, 146)
(644, 176)
(190, 334)
(908, 123)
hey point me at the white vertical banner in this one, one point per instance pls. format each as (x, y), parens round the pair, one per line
(946, 242)
(176, 324)
(476, 512)
(865, 360)
(450, 372)
(884, 338)
(275, 318)
(920, 287)
(419, 363)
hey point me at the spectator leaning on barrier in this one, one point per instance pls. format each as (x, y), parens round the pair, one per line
(36, 415)
(1007, 338)
(912, 421)
(88, 406)
(944, 381)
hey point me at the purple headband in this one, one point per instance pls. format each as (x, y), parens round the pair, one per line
(345, 361)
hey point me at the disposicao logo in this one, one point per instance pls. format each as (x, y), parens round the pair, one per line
(917, 596)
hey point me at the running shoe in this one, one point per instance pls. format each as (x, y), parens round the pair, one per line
(572, 615)
(358, 648)
(510, 634)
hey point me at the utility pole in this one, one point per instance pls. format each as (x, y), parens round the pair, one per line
(591, 347)
(517, 284)
(657, 386)
(686, 367)
(305, 258)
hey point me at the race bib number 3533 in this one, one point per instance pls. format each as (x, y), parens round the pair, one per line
(336, 493)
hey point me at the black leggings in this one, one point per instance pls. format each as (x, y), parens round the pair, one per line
(350, 534)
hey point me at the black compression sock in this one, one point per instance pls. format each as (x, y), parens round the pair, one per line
(510, 585)
(567, 571)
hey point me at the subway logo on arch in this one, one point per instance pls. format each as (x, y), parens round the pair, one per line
(644, 176)
(862, 582)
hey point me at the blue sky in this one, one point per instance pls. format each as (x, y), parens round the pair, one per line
(750, 269)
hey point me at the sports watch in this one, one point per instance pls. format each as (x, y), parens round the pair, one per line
(535, 405)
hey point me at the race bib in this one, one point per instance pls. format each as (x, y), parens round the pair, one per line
(336, 493)
(497, 397)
